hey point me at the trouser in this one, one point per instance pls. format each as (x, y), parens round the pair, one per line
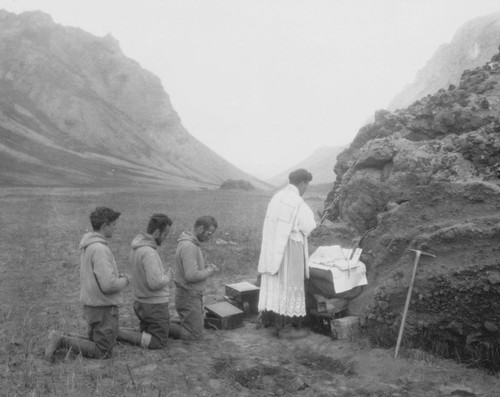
(85, 347)
(103, 328)
(189, 306)
(154, 319)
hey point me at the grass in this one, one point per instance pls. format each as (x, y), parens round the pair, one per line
(39, 268)
(39, 290)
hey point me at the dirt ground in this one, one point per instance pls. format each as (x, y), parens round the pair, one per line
(248, 361)
(245, 361)
(242, 362)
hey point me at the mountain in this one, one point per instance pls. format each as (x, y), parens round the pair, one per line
(320, 164)
(74, 110)
(472, 46)
(427, 177)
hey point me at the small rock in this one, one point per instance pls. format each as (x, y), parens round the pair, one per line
(107, 383)
(456, 390)
(490, 326)
(391, 205)
(297, 384)
(383, 305)
(456, 326)
(267, 381)
(146, 369)
(92, 365)
(328, 224)
(494, 278)
(215, 384)
(147, 382)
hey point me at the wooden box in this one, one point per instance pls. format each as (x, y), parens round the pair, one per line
(345, 327)
(333, 305)
(223, 315)
(246, 294)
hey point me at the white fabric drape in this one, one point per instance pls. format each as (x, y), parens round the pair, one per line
(282, 291)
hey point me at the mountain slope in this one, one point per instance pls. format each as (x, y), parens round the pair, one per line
(320, 164)
(74, 110)
(472, 46)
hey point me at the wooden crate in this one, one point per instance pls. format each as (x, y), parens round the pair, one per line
(333, 305)
(345, 327)
(246, 294)
(223, 315)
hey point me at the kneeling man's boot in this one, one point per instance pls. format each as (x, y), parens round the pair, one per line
(174, 330)
(83, 346)
(78, 344)
(134, 338)
(55, 340)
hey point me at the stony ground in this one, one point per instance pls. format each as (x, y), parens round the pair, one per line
(246, 361)
(242, 362)
(249, 361)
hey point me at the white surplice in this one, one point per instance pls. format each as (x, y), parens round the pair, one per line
(284, 253)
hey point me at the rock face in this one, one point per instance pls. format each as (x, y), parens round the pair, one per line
(427, 177)
(472, 46)
(75, 111)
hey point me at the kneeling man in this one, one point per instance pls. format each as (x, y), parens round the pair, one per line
(150, 283)
(191, 276)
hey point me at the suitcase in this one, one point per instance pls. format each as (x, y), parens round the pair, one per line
(245, 295)
(223, 315)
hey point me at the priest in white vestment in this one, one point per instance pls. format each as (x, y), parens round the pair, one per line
(284, 252)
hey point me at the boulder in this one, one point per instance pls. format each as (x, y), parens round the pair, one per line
(426, 177)
(238, 184)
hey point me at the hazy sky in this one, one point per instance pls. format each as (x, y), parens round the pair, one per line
(266, 82)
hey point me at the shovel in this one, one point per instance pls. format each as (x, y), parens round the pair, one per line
(408, 297)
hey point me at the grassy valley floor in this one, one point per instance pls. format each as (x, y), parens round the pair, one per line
(39, 288)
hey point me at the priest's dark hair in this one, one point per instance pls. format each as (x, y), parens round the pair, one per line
(298, 176)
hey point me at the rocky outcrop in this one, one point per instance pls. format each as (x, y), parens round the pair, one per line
(74, 110)
(237, 184)
(472, 46)
(427, 177)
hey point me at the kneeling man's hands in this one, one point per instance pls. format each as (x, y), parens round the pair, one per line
(214, 268)
(127, 276)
